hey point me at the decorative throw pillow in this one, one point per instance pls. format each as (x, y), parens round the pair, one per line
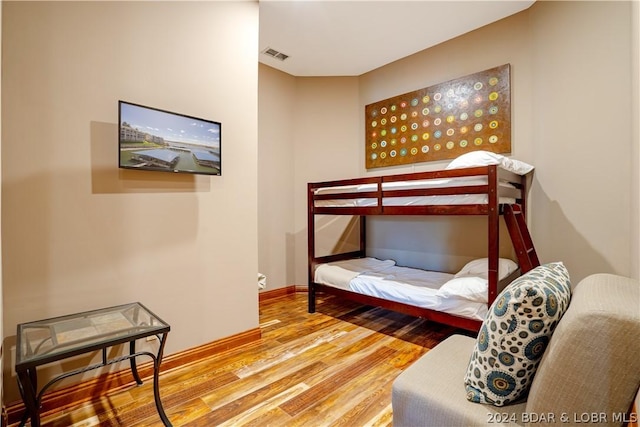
(515, 334)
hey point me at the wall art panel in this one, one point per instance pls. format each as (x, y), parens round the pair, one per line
(441, 121)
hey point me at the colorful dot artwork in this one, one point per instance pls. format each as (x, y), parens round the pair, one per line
(442, 121)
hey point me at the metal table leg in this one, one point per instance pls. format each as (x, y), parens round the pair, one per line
(156, 385)
(28, 383)
(132, 361)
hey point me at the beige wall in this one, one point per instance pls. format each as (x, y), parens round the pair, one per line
(325, 145)
(571, 110)
(276, 103)
(78, 233)
(292, 148)
(634, 229)
(582, 123)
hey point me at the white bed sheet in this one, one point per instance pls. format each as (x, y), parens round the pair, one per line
(401, 284)
(340, 273)
(456, 199)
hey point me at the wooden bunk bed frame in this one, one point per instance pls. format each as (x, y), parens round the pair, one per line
(514, 216)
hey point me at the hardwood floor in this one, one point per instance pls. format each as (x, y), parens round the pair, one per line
(331, 368)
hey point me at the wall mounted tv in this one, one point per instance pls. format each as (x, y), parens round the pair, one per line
(158, 140)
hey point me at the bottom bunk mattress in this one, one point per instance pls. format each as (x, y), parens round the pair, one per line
(462, 294)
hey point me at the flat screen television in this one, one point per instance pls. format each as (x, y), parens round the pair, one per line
(159, 140)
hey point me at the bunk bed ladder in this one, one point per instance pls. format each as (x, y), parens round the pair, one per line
(522, 242)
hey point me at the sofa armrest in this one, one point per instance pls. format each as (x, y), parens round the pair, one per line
(591, 365)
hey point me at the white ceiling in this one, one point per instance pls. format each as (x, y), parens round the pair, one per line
(350, 38)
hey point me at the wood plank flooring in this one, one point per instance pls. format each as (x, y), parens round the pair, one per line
(331, 368)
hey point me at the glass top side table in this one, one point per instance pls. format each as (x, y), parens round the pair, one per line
(50, 340)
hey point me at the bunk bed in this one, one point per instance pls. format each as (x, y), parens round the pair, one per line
(492, 190)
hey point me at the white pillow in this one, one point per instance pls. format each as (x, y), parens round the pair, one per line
(472, 288)
(480, 267)
(516, 166)
(484, 158)
(475, 158)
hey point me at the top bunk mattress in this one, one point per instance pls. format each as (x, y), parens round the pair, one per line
(467, 180)
(413, 200)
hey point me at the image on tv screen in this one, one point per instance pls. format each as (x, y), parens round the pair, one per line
(154, 139)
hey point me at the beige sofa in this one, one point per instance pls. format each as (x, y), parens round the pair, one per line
(589, 374)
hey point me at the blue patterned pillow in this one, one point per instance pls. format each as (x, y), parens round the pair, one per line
(515, 334)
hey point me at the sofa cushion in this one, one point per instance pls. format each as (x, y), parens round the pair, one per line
(428, 393)
(515, 334)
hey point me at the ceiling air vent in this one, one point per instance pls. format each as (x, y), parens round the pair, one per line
(274, 53)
